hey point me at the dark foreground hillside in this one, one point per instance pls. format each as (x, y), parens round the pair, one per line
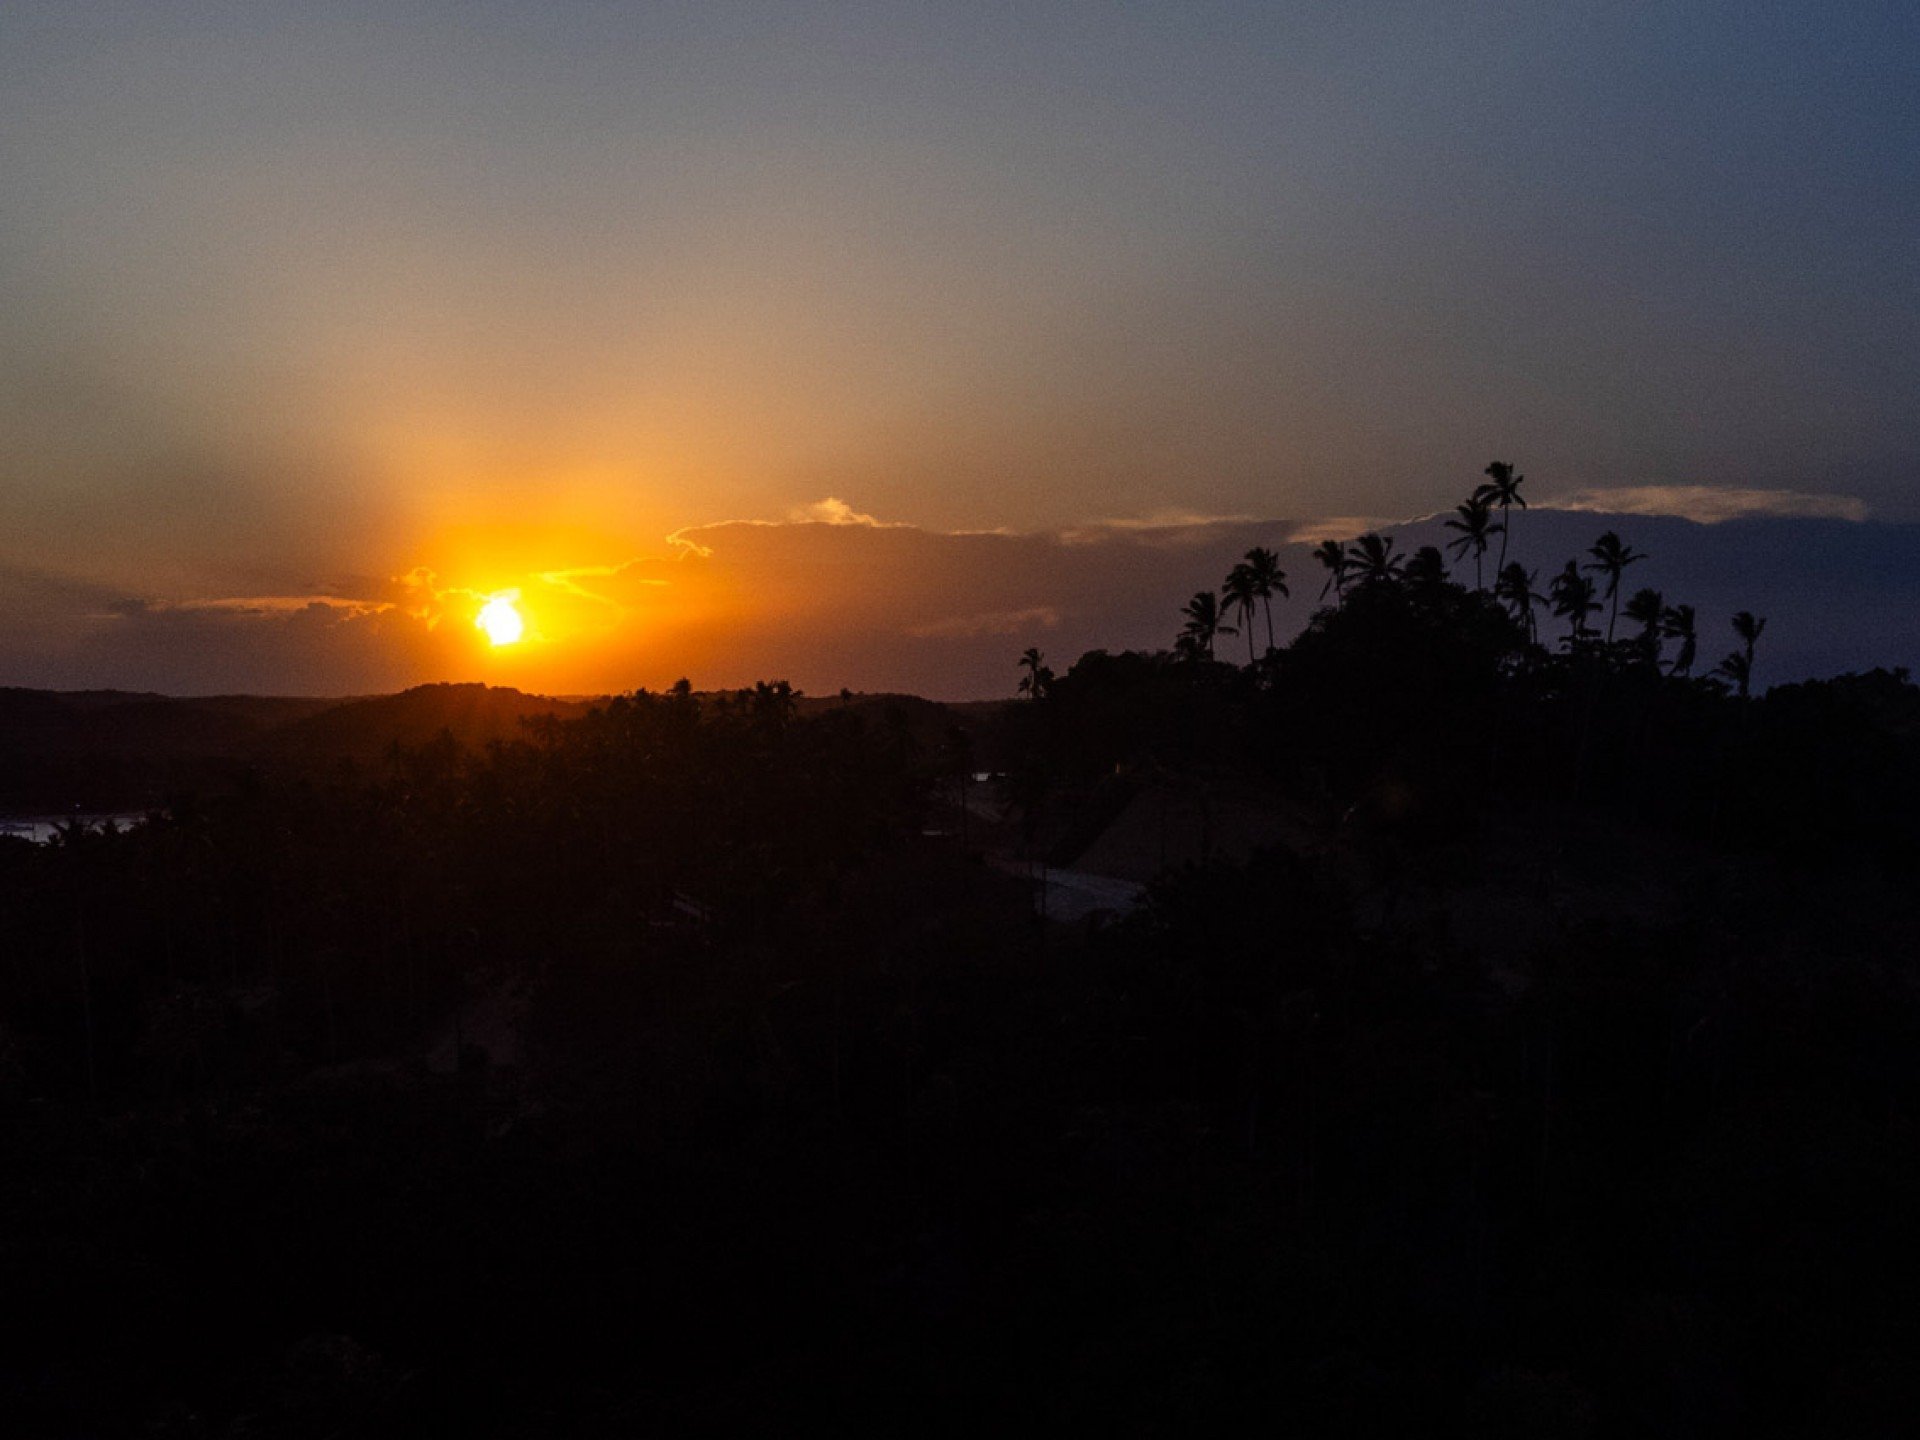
(691, 1065)
(106, 750)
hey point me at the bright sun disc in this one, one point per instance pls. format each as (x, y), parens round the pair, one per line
(500, 620)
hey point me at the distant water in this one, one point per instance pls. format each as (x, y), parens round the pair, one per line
(40, 828)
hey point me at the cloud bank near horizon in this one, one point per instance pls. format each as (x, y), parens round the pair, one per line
(833, 596)
(1710, 504)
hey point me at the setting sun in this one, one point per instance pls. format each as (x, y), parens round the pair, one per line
(501, 620)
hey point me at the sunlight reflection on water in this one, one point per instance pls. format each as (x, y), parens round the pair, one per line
(42, 828)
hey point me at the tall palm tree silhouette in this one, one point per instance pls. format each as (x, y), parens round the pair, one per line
(1333, 555)
(1034, 683)
(1646, 609)
(1474, 520)
(1677, 623)
(1738, 666)
(1204, 623)
(1611, 558)
(1573, 601)
(1503, 489)
(1513, 587)
(1373, 560)
(1242, 593)
(1269, 580)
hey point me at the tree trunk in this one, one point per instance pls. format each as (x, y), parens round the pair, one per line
(86, 999)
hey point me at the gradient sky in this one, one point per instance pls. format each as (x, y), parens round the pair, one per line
(299, 301)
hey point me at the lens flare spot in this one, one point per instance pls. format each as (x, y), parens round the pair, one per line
(501, 620)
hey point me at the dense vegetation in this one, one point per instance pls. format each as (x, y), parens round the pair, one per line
(682, 1064)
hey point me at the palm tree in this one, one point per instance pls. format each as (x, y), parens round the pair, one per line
(1748, 628)
(1513, 587)
(1241, 592)
(1034, 683)
(1269, 580)
(1373, 559)
(1333, 555)
(1677, 624)
(1503, 489)
(1611, 558)
(1646, 609)
(1474, 520)
(1573, 601)
(1203, 623)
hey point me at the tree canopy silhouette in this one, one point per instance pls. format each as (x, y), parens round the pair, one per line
(1611, 557)
(1503, 490)
(1474, 521)
(1204, 623)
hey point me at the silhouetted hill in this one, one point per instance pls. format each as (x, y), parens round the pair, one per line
(35, 719)
(92, 700)
(930, 724)
(113, 750)
(160, 726)
(140, 723)
(363, 730)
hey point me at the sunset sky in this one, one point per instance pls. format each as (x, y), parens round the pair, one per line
(322, 323)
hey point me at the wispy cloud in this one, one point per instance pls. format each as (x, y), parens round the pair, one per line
(1710, 504)
(1172, 520)
(683, 542)
(426, 598)
(1173, 526)
(1336, 527)
(992, 622)
(1160, 527)
(832, 511)
(274, 604)
(569, 581)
